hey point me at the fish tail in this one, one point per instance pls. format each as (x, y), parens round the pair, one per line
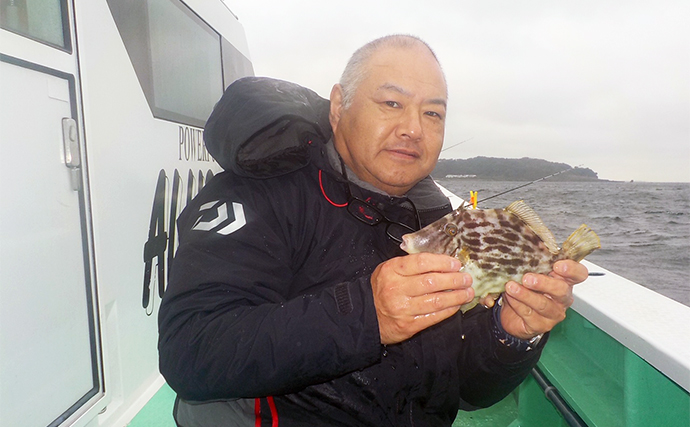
(581, 243)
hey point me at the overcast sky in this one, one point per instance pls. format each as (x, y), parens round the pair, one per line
(602, 84)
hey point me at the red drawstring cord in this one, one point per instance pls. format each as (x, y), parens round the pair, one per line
(324, 193)
(257, 412)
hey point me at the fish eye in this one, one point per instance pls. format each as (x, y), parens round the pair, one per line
(451, 230)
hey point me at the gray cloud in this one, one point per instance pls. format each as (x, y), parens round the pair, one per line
(603, 84)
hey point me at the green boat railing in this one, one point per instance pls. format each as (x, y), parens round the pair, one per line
(600, 383)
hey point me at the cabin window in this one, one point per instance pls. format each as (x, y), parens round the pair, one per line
(41, 20)
(178, 58)
(185, 62)
(235, 65)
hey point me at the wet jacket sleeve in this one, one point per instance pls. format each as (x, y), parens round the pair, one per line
(496, 370)
(228, 327)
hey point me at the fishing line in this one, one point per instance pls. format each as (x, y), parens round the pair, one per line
(525, 185)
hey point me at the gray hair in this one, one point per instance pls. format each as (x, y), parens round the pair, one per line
(355, 70)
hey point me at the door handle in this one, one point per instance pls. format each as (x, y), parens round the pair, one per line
(70, 140)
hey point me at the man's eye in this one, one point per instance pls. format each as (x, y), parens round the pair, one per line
(392, 104)
(434, 114)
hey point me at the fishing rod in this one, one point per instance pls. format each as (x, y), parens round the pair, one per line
(455, 145)
(474, 194)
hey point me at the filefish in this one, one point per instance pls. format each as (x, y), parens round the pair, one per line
(499, 245)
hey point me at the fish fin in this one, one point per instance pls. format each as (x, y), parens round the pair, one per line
(581, 243)
(527, 214)
(470, 305)
(463, 255)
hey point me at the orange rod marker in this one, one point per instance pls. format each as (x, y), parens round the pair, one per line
(473, 199)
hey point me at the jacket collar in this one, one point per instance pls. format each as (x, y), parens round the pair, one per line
(425, 194)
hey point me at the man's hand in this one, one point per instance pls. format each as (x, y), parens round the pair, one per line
(416, 291)
(539, 304)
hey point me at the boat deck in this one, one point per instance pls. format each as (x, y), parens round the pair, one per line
(158, 413)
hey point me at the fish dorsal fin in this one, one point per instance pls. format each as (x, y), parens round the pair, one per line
(529, 217)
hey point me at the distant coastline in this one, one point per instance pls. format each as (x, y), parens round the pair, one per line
(502, 169)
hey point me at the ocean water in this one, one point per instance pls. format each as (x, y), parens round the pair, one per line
(644, 227)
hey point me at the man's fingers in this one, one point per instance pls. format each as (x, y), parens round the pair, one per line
(416, 291)
(489, 300)
(440, 301)
(425, 294)
(533, 305)
(554, 288)
(438, 282)
(430, 319)
(527, 321)
(541, 301)
(411, 265)
(570, 271)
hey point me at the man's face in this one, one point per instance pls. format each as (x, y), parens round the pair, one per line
(392, 133)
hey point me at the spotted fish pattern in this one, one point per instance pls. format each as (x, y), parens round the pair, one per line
(499, 245)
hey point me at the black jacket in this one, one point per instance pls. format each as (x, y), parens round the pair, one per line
(270, 312)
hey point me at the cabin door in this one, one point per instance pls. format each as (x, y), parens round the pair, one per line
(47, 331)
(50, 369)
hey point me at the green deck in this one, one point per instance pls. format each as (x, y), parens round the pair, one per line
(604, 382)
(158, 412)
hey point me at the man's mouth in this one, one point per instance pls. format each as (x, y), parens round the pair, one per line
(405, 152)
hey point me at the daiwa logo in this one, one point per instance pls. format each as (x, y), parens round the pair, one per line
(220, 218)
(168, 202)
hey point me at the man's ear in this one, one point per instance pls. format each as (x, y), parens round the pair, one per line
(336, 106)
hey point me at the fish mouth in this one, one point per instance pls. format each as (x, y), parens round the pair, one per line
(405, 245)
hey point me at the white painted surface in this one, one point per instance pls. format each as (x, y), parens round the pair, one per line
(44, 318)
(653, 326)
(124, 150)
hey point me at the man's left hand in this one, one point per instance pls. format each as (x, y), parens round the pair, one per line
(539, 303)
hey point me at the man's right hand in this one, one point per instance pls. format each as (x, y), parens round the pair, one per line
(416, 291)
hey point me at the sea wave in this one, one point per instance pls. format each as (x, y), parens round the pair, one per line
(644, 227)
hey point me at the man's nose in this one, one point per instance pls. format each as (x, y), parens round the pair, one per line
(410, 126)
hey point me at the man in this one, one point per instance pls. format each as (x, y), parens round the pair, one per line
(290, 300)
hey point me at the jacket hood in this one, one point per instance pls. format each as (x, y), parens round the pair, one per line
(263, 127)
